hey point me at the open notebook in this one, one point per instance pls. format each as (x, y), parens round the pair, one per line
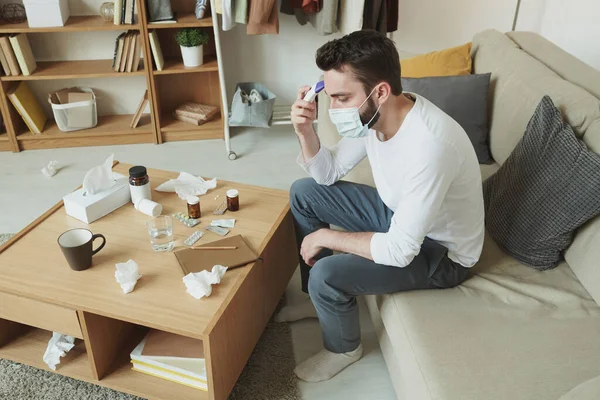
(197, 260)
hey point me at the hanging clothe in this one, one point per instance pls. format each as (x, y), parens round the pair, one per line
(219, 6)
(392, 15)
(228, 17)
(375, 15)
(288, 8)
(325, 21)
(263, 17)
(350, 16)
(308, 6)
(241, 11)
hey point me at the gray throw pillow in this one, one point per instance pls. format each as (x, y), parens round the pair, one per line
(548, 186)
(465, 99)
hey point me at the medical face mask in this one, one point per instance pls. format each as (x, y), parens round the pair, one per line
(347, 120)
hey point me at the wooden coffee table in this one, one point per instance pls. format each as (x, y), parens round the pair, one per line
(40, 294)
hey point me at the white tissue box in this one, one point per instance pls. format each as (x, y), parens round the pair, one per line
(88, 208)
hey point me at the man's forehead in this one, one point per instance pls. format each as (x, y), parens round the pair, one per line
(340, 81)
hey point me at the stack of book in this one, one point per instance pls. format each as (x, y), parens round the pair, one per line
(16, 56)
(172, 357)
(128, 52)
(195, 113)
(124, 12)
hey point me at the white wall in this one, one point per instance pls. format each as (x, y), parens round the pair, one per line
(428, 25)
(573, 25)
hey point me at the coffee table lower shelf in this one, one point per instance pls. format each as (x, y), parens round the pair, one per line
(30, 343)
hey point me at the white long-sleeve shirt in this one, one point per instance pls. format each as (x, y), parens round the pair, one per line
(428, 174)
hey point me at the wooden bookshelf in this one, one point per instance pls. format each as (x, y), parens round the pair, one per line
(75, 23)
(47, 70)
(185, 20)
(175, 66)
(167, 89)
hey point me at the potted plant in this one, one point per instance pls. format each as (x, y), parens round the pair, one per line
(191, 41)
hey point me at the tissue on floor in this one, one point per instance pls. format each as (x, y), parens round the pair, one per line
(51, 169)
(187, 185)
(88, 204)
(199, 284)
(224, 223)
(127, 275)
(58, 346)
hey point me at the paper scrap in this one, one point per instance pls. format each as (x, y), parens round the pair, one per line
(199, 284)
(187, 185)
(127, 275)
(58, 346)
(223, 223)
(99, 178)
(51, 169)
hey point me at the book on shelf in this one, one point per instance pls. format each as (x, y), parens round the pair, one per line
(23, 52)
(120, 43)
(137, 53)
(131, 55)
(172, 357)
(118, 15)
(28, 107)
(125, 51)
(4, 63)
(9, 53)
(156, 50)
(159, 11)
(195, 113)
(128, 12)
(140, 110)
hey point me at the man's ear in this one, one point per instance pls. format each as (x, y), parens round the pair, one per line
(382, 92)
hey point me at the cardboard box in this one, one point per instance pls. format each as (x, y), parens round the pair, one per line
(89, 208)
(46, 13)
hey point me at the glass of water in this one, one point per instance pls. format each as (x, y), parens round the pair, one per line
(160, 230)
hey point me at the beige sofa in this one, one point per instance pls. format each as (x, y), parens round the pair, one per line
(509, 332)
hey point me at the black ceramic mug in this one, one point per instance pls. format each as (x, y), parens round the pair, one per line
(76, 245)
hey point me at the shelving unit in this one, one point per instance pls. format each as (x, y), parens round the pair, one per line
(168, 88)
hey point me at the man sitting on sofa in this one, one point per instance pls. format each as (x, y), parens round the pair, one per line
(422, 227)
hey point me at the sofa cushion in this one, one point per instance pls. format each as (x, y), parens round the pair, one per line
(507, 332)
(447, 62)
(547, 188)
(588, 390)
(464, 98)
(518, 83)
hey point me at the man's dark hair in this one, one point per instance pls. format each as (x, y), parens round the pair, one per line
(370, 55)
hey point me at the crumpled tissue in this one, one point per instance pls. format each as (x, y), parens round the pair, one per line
(127, 275)
(51, 169)
(187, 185)
(223, 223)
(99, 178)
(58, 346)
(199, 284)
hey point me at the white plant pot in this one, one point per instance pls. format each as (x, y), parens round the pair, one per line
(192, 56)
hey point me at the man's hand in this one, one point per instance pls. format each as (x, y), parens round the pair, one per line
(303, 114)
(311, 247)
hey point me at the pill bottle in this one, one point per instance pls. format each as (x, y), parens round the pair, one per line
(139, 184)
(193, 206)
(233, 200)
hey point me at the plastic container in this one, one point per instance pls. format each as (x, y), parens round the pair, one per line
(46, 13)
(75, 116)
(139, 184)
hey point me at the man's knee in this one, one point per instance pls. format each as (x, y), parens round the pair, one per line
(323, 275)
(301, 189)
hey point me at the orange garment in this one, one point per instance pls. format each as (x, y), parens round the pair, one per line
(263, 17)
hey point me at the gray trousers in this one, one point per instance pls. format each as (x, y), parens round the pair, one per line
(335, 280)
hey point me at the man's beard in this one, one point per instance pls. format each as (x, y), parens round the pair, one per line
(368, 113)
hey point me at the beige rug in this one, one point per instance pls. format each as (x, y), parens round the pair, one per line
(269, 375)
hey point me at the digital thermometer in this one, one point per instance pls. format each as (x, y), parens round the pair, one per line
(314, 91)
